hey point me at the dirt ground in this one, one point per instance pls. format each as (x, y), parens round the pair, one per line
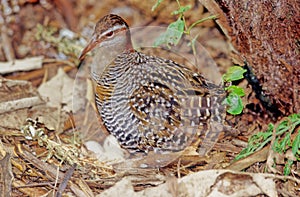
(47, 124)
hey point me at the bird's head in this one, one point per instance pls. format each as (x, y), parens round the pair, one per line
(111, 30)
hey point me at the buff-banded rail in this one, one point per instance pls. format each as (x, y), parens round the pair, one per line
(149, 103)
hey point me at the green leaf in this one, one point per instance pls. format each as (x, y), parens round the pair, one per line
(158, 2)
(236, 89)
(235, 103)
(295, 117)
(234, 73)
(287, 167)
(181, 10)
(173, 34)
(256, 142)
(282, 146)
(284, 131)
(296, 144)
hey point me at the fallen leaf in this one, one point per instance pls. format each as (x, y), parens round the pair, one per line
(58, 91)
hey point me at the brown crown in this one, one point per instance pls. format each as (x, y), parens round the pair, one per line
(108, 22)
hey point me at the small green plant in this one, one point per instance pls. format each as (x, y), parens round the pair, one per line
(283, 142)
(233, 100)
(287, 167)
(177, 29)
(172, 36)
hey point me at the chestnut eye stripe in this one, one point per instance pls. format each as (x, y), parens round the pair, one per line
(114, 29)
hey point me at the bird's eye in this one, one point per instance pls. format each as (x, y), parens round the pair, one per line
(109, 34)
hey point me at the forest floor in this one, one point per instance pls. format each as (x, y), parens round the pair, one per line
(50, 140)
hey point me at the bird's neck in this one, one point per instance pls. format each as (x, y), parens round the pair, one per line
(104, 55)
(128, 46)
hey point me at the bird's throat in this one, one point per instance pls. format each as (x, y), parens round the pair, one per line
(105, 55)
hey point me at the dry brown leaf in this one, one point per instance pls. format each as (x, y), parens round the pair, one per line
(15, 94)
(204, 183)
(58, 91)
(16, 97)
(19, 100)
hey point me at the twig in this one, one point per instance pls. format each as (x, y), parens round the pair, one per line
(49, 170)
(20, 104)
(50, 184)
(21, 65)
(64, 182)
(6, 175)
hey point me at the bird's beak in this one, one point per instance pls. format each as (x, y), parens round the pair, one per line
(88, 48)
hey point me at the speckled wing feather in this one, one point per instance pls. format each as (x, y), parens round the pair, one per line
(150, 103)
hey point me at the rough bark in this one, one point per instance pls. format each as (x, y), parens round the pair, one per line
(266, 34)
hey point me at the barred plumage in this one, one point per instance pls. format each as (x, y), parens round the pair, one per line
(148, 103)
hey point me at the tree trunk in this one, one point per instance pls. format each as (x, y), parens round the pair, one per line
(266, 34)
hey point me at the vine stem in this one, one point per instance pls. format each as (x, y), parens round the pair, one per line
(200, 21)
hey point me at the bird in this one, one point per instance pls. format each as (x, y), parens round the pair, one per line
(148, 103)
